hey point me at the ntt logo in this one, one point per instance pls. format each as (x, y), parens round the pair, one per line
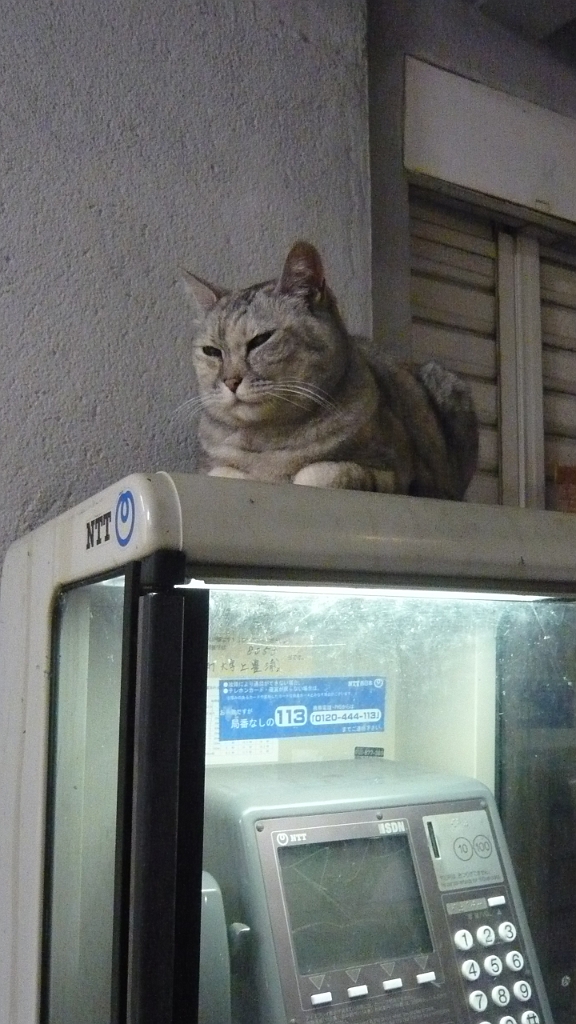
(124, 518)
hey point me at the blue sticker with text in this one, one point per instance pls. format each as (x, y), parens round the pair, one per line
(266, 709)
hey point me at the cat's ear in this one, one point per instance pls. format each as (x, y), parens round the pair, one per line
(303, 273)
(204, 295)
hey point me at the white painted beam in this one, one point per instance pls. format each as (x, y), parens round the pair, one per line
(478, 138)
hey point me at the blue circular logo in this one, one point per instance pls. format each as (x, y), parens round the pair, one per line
(124, 517)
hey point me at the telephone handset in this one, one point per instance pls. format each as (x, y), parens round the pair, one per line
(214, 1005)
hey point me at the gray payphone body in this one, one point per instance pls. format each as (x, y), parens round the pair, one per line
(368, 891)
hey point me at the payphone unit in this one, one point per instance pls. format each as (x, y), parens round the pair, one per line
(361, 891)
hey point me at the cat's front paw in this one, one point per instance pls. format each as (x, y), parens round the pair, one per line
(228, 471)
(345, 475)
(319, 474)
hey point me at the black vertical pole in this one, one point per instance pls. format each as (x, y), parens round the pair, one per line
(124, 795)
(166, 862)
(191, 808)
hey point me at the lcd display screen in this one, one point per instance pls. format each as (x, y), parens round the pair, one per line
(353, 902)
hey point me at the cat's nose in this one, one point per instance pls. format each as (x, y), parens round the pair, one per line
(233, 383)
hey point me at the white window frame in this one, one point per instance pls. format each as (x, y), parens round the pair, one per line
(521, 391)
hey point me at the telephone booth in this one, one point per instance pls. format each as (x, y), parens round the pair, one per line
(274, 755)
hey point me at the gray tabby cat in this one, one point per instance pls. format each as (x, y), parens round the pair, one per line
(286, 394)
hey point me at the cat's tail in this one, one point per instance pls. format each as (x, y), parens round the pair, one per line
(452, 402)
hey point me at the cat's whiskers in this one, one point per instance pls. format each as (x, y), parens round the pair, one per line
(312, 395)
(289, 401)
(309, 392)
(195, 404)
(274, 391)
(313, 389)
(290, 389)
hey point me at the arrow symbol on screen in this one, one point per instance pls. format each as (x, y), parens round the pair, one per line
(389, 967)
(422, 961)
(317, 979)
(353, 974)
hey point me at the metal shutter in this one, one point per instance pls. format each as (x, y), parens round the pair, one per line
(454, 313)
(558, 293)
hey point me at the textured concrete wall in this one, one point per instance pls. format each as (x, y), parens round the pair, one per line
(137, 136)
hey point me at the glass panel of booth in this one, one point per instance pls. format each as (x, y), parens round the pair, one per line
(305, 674)
(82, 803)
(475, 684)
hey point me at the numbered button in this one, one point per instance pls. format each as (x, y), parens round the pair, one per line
(500, 995)
(478, 1000)
(486, 935)
(463, 939)
(514, 960)
(529, 1017)
(507, 1020)
(522, 990)
(471, 970)
(507, 931)
(493, 966)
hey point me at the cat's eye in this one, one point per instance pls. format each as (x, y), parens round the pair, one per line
(211, 350)
(258, 340)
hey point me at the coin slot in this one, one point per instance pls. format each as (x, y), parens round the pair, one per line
(432, 839)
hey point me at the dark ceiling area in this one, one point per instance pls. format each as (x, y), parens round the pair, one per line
(563, 42)
(552, 23)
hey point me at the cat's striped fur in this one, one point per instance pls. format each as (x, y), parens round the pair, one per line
(286, 394)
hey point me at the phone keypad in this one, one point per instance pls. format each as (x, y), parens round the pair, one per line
(498, 972)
